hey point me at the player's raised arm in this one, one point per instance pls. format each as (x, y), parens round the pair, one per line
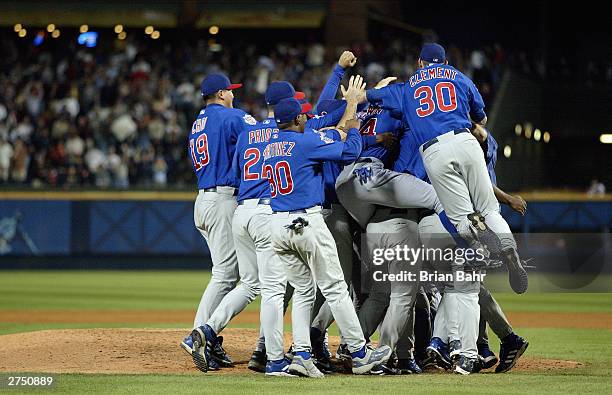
(340, 115)
(347, 59)
(388, 97)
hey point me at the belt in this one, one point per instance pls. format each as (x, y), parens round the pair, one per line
(265, 201)
(214, 189)
(435, 139)
(300, 211)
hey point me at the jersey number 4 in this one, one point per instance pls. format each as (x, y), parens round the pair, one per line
(425, 95)
(199, 151)
(279, 178)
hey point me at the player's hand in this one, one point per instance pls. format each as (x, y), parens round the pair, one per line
(353, 123)
(388, 140)
(355, 90)
(384, 82)
(347, 59)
(518, 204)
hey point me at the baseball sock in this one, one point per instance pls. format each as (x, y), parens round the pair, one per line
(303, 354)
(359, 354)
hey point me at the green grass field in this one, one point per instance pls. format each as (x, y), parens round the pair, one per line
(123, 290)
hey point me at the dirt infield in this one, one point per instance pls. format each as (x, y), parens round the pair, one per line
(520, 320)
(146, 351)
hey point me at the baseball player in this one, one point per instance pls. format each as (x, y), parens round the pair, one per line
(391, 304)
(259, 267)
(300, 236)
(211, 148)
(277, 91)
(440, 103)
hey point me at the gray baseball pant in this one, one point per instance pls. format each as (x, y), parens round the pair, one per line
(458, 313)
(457, 170)
(337, 221)
(385, 187)
(259, 268)
(491, 312)
(212, 215)
(310, 259)
(393, 305)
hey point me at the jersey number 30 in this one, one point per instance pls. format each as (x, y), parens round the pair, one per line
(279, 178)
(445, 102)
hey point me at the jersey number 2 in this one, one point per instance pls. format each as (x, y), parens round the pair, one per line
(279, 178)
(425, 95)
(251, 155)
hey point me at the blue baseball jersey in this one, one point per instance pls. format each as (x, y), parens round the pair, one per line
(409, 158)
(293, 165)
(375, 120)
(491, 157)
(248, 159)
(212, 142)
(331, 171)
(435, 100)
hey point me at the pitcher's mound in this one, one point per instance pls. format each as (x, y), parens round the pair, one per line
(146, 351)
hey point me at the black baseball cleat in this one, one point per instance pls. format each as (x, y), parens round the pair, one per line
(258, 361)
(484, 234)
(320, 352)
(219, 355)
(510, 351)
(517, 275)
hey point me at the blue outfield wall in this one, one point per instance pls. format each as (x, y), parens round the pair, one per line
(99, 228)
(96, 226)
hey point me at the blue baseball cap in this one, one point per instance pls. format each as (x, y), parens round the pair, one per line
(433, 53)
(279, 90)
(288, 109)
(329, 105)
(216, 82)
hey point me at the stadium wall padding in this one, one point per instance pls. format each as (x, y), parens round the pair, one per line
(157, 228)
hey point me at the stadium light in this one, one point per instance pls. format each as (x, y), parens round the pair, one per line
(149, 29)
(518, 129)
(121, 36)
(118, 29)
(155, 35)
(507, 151)
(528, 127)
(537, 134)
(213, 29)
(56, 33)
(50, 27)
(22, 33)
(17, 27)
(606, 138)
(83, 28)
(546, 137)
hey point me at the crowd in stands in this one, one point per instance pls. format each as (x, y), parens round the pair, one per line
(118, 116)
